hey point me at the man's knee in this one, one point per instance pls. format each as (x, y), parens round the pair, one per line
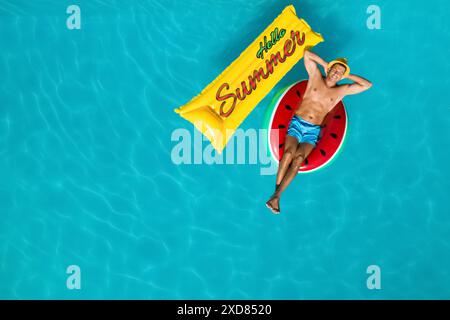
(298, 159)
(289, 152)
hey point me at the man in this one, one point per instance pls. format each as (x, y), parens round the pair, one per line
(321, 95)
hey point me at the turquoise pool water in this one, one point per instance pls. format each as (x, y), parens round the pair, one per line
(86, 176)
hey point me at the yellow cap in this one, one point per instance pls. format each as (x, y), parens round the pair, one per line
(340, 61)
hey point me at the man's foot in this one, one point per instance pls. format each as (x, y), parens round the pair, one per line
(274, 204)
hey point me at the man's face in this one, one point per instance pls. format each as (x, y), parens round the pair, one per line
(336, 72)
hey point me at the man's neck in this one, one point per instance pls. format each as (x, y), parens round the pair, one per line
(329, 83)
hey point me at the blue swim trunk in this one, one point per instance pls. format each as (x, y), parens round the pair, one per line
(303, 130)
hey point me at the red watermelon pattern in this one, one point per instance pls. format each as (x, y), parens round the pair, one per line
(332, 133)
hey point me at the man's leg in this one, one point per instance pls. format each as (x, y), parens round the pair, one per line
(303, 150)
(290, 147)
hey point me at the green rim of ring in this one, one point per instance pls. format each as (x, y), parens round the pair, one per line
(268, 114)
(266, 120)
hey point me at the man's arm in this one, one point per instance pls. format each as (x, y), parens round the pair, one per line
(311, 60)
(359, 86)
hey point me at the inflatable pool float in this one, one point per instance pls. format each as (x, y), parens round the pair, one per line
(222, 106)
(331, 137)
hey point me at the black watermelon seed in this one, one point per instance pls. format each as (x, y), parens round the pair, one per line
(281, 126)
(306, 161)
(298, 93)
(323, 152)
(288, 107)
(337, 116)
(281, 145)
(334, 135)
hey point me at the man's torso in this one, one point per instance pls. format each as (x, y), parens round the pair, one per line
(318, 100)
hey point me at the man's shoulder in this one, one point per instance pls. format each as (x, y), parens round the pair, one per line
(342, 87)
(315, 77)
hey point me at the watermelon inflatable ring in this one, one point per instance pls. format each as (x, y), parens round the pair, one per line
(331, 137)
